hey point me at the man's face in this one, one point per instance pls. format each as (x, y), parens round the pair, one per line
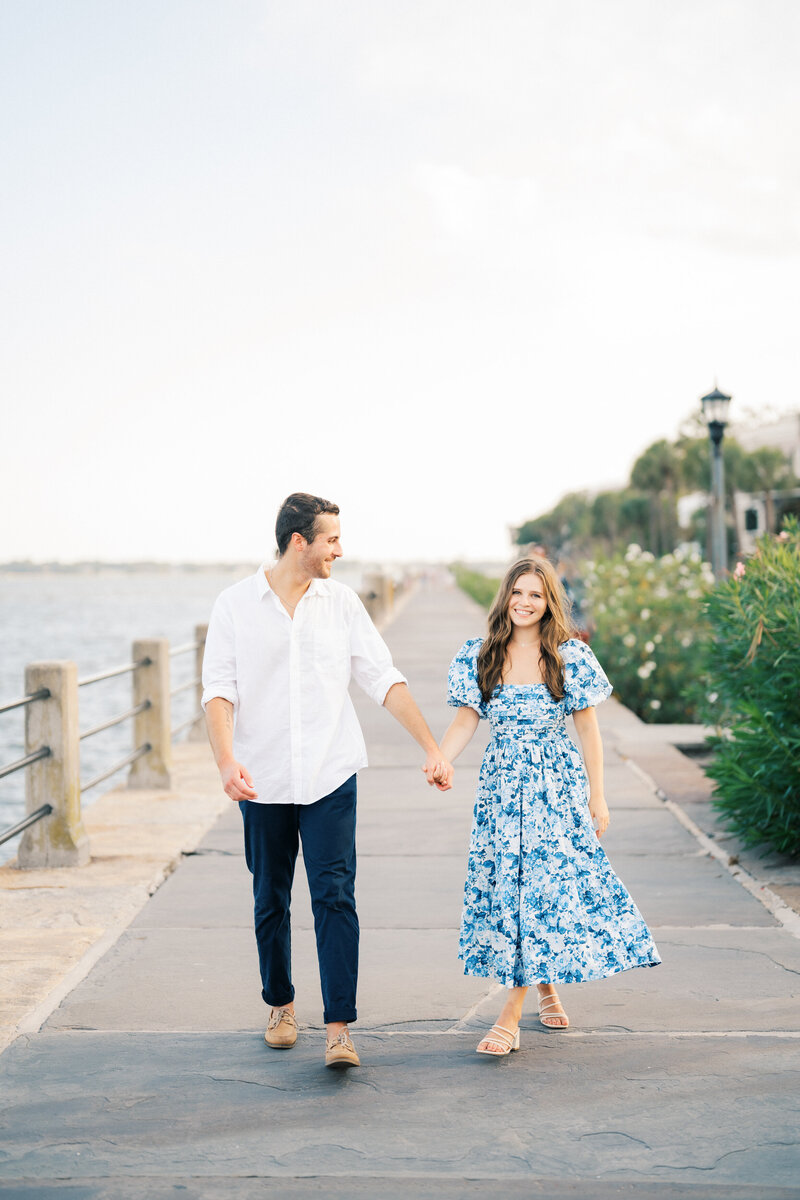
(319, 556)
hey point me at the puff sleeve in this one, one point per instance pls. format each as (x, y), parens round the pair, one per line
(462, 679)
(585, 682)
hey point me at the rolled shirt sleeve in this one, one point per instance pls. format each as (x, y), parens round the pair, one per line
(219, 657)
(370, 661)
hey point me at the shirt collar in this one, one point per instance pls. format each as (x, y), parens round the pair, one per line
(317, 587)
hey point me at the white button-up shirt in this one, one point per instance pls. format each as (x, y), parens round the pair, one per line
(295, 728)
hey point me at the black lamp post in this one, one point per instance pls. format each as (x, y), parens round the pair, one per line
(715, 411)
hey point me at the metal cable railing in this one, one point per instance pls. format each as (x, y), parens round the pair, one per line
(162, 695)
(21, 763)
(123, 762)
(41, 694)
(184, 687)
(186, 648)
(10, 768)
(22, 825)
(182, 728)
(123, 670)
(132, 712)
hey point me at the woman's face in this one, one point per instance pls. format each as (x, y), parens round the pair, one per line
(527, 605)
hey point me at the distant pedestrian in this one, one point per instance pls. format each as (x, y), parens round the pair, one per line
(541, 903)
(282, 646)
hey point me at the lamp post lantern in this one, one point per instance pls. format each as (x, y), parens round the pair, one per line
(715, 411)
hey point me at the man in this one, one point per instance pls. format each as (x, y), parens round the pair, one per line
(282, 646)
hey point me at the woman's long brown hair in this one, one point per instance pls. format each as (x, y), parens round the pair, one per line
(555, 627)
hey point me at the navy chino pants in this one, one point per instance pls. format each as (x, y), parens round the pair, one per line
(327, 830)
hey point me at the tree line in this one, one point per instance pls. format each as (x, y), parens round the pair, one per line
(645, 511)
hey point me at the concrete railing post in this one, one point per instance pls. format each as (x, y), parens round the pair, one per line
(60, 839)
(378, 595)
(198, 731)
(153, 725)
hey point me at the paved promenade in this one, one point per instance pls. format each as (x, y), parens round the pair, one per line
(151, 1079)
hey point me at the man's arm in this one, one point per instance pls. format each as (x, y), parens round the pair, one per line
(236, 780)
(373, 670)
(219, 696)
(404, 708)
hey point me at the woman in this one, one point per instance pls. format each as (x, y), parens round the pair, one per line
(541, 902)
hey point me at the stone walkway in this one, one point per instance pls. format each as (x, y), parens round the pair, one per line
(151, 1077)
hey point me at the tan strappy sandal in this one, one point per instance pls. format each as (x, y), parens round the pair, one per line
(504, 1037)
(548, 1018)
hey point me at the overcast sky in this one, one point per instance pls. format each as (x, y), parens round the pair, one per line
(437, 260)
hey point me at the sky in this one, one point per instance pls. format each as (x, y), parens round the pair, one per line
(436, 260)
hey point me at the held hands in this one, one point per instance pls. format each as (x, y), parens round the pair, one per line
(598, 810)
(438, 771)
(237, 782)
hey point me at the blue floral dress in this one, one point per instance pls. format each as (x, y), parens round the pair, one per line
(541, 902)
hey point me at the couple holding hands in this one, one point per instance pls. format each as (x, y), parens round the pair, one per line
(541, 902)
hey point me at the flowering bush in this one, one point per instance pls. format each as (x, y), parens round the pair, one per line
(753, 669)
(648, 626)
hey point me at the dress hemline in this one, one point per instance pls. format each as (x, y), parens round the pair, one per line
(588, 978)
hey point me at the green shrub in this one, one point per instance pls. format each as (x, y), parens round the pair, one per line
(479, 587)
(647, 619)
(753, 674)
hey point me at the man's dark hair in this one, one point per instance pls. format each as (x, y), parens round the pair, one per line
(298, 514)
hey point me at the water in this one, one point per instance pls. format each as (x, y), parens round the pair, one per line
(92, 618)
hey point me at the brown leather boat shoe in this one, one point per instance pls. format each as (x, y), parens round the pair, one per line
(341, 1052)
(281, 1029)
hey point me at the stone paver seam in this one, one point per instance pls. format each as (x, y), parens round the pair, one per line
(786, 916)
(460, 1025)
(784, 1034)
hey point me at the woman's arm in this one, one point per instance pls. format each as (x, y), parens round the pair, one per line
(588, 732)
(458, 733)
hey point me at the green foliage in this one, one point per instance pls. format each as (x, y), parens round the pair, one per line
(648, 623)
(571, 518)
(645, 512)
(753, 669)
(479, 587)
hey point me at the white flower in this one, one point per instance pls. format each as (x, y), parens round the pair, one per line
(644, 614)
(658, 639)
(649, 647)
(633, 552)
(646, 669)
(656, 704)
(629, 640)
(711, 697)
(686, 641)
(646, 556)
